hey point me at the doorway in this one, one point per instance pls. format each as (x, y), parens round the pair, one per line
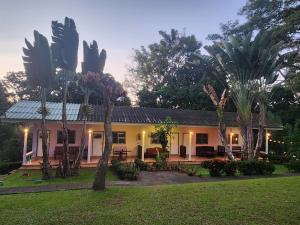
(97, 143)
(174, 144)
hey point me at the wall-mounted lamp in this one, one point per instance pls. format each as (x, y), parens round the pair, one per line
(26, 130)
(191, 132)
(90, 131)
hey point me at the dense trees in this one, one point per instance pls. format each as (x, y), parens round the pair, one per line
(170, 74)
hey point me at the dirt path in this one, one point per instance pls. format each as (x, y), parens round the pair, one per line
(145, 179)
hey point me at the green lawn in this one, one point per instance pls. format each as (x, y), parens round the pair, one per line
(259, 201)
(34, 178)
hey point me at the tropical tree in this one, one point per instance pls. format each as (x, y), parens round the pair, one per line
(40, 72)
(163, 132)
(246, 60)
(92, 68)
(112, 93)
(220, 105)
(168, 73)
(65, 49)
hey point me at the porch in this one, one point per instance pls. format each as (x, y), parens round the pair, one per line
(35, 163)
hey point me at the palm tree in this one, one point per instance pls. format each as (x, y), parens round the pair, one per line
(220, 105)
(246, 59)
(65, 49)
(40, 72)
(92, 68)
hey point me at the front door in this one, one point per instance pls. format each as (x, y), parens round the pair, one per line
(174, 143)
(185, 141)
(40, 143)
(97, 143)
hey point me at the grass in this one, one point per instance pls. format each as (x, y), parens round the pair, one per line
(259, 201)
(34, 178)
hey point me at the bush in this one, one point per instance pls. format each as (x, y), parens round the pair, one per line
(125, 172)
(6, 167)
(255, 167)
(279, 159)
(141, 165)
(230, 168)
(215, 167)
(294, 166)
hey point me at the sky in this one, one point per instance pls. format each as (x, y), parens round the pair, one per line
(118, 26)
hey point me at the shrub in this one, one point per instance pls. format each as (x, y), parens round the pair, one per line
(215, 167)
(255, 167)
(125, 172)
(294, 166)
(279, 159)
(192, 171)
(141, 165)
(230, 168)
(6, 167)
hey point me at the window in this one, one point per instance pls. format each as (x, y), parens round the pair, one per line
(154, 138)
(201, 138)
(119, 137)
(235, 139)
(71, 136)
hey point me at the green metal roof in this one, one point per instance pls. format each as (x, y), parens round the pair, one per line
(28, 110)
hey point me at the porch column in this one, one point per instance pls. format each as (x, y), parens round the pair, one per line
(25, 145)
(190, 146)
(267, 141)
(143, 145)
(230, 140)
(89, 147)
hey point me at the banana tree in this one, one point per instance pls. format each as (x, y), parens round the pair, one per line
(220, 105)
(65, 49)
(92, 68)
(246, 59)
(40, 72)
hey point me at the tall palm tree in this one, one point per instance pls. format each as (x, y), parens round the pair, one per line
(40, 72)
(246, 59)
(92, 68)
(65, 49)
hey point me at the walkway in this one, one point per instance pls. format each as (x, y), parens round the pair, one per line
(145, 179)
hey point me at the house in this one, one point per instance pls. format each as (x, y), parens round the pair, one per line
(133, 131)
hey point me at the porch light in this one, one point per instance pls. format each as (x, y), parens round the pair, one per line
(144, 132)
(26, 130)
(268, 134)
(191, 132)
(90, 131)
(231, 134)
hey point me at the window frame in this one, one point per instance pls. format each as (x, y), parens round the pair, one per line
(198, 140)
(59, 135)
(118, 137)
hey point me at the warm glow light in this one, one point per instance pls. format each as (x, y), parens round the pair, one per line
(144, 132)
(268, 134)
(90, 131)
(26, 130)
(231, 134)
(191, 132)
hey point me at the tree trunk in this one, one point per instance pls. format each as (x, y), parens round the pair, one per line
(261, 124)
(250, 139)
(77, 162)
(66, 160)
(222, 136)
(99, 182)
(45, 166)
(243, 131)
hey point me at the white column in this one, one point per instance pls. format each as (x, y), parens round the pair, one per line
(230, 141)
(143, 145)
(267, 141)
(190, 146)
(89, 147)
(25, 145)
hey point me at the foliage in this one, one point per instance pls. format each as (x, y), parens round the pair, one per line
(294, 165)
(125, 172)
(215, 167)
(141, 165)
(292, 139)
(255, 167)
(230, 168)
(6, 167)
(171, 74)
(164, 130)
(279, 159)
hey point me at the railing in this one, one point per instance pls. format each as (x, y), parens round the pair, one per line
(28, 157)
